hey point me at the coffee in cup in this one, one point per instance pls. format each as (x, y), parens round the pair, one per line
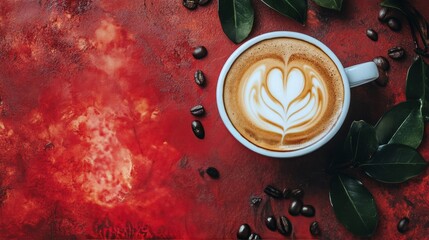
(283, 94)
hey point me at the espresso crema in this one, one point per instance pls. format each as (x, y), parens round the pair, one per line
(283, 94)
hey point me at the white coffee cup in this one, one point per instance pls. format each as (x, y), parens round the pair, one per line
(352, 76)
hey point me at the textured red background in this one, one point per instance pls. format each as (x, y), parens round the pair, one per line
(95, 136)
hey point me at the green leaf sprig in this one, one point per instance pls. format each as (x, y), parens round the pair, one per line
(237, 16)
(386, 152)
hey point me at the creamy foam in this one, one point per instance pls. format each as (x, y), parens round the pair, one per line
(283, 94)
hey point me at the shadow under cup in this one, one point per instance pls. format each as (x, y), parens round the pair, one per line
(283, 94)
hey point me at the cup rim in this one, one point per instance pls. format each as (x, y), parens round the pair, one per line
(271, 153)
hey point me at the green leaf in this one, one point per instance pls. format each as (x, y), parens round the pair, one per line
(295, 9)
(354, 206)
(361, 142)
(395, 4)
(331, 4)
(418, 84)
(403, 124)
(394, 163)
(236, 17)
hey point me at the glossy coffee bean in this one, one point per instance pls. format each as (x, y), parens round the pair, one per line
(382, 14)
(254, 236)
(287, 193)
(314, 228)
(255, 201)
(382, 63)
(308, 211)
(244, 231)
(199, 78)
(204, 2)
(199, 52)
(394, 24)
(297, 193)
(271, 223)
(190, 4)
(273, 192)
(371, 34)
(403, 225)
(213, 172)
(284, 226)
(198, 110)
(198, 129)
(295, 207)
(396, 53)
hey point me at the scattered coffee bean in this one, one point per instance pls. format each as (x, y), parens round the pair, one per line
(394, 24)
(287, 193)
(382, 63)
(295, 207)
(49, 146)
(297, 193)
(314, 228)
(213, 172)
(273, 192)
(271, 224)
(198, 129)
(254, 236)
(243, 231)
(198, 110)
(308, 211)
(255, 201)
(382, 79)
(284, 226)
(190, 4)
(199, 78)
(371, 34)
(204, 2)
(382, 15)
(199, 52)
(403, 225)
(396, 52)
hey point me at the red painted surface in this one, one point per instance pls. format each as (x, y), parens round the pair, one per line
(95, 136)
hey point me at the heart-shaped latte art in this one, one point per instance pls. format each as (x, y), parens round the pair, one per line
(284, 99)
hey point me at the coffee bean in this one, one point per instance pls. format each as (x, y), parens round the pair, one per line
(271, 224)
(243, 231)
(198, 129)
(199, 78)
(273, 192)
(198, 110)
(284, 226)
(314, 228)
(254, 236)
(295, 207)
(297, 193)
(371, 34)
(382, 79)
(382, 63)
(396, 52)
(403, 225)
(199, 52)
(382, 15)
(394, 24)
(287, 193)
(255, 201)
(204, 2)
(308, 211)
(190, 4)
(213, 172)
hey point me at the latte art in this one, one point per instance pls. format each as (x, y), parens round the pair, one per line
(283, 102)
(283, 94)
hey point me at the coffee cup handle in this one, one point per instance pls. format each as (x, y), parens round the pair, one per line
(361, 73)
